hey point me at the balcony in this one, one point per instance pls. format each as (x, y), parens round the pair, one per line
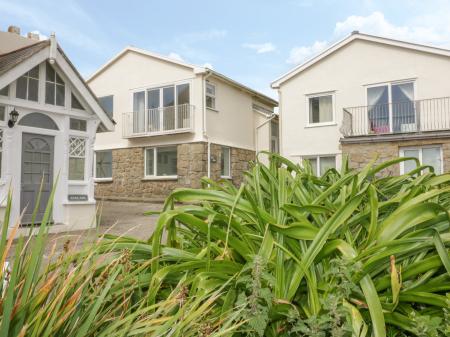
(397, 118)
(159, 121)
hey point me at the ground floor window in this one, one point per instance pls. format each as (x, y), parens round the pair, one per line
(1, 151)
(225, 162)
(427, 155)
(161, 161)
(321, 164)
(77, 157)
(103, 164)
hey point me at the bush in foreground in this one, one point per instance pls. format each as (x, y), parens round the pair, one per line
(286, 254)
(345, 254)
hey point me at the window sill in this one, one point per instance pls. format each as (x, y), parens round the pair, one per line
(78, 183)
(212, 109)
(160, 178)
(226, 177)
(103, 180)
(86, 202)
(318, 125)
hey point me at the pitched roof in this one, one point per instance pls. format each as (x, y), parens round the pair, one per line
(196, 69)
(13, 58)
(357, 36)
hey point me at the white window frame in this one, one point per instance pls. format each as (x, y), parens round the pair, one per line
(100, 179)
(420, 149)
(155, 164)
(389, 85)
(74, 182)
(309, 124)
(317, 157)
(214, 97)
(28, 77)
(55, 84)
(2, 143)
(229, 162)
(71, 101)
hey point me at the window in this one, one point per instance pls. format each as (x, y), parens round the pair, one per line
(210, 95)
(77, 156)
(107, 103)
(391, 108)
(321, 109)
(103, 164)
(75, 103)
(427, 155)
(54, 87)
(321, 164)
(2, 112)
(78, 124)
(5, 91)
(28, 84)
(1, 150)
(225, 162)
(274, 137)
(161, 162)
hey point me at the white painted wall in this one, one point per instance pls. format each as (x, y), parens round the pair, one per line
(347, 73)
(232, 123)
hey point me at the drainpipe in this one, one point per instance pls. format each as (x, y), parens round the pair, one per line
(272, 116)
(205, 135)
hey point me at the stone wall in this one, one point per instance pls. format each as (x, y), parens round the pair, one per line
(360, 154)
(128, 181)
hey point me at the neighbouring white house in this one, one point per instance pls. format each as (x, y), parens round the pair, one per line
(49, 118)
(368, 96)
(176, 123)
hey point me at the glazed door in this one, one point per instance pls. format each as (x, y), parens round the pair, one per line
(37, 167)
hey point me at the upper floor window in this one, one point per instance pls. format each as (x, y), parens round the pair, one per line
(78, 124)
(54, 87)
(225, 162)
(1, 150)
(2, 112)
(4, 91)
(27, 86)
(107, 103)
(391, 107)
(210, 95)
(321, 109)
(427, 155)
(75, 103)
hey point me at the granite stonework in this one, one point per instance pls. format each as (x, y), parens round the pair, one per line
(360, 154)
(128, 181)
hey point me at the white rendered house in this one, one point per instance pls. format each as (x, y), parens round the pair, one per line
(176, 123)
(368, 96)
(48, 123)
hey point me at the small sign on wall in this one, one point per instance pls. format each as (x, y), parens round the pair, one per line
(78, 197)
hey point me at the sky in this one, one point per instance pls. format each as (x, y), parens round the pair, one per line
(254, 42)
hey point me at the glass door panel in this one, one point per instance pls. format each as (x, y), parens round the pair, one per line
(378, 109)
(403, 112)
(154, 111)
(183, 108)
(168, 108)
(139, 112)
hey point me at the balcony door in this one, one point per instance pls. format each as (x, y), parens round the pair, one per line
(167, 109)
(391, 108)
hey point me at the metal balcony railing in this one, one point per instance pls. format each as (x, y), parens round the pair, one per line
(404, 117)
(159, 121)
